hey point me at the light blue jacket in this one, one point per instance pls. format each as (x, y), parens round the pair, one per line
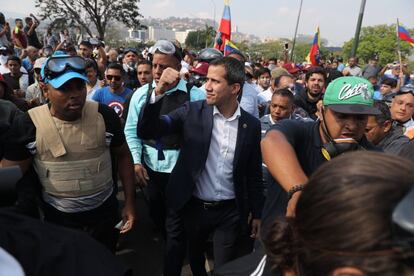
(144, 153)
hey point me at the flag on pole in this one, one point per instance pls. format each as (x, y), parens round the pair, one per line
(404, 35)
(229, 47)
(224, 31)
(313, 56)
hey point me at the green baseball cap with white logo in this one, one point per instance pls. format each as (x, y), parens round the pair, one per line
(351, 95)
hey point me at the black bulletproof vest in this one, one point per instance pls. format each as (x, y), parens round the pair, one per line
(169, 103)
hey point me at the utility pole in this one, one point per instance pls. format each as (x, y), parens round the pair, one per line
(358, 29)
(296, 30)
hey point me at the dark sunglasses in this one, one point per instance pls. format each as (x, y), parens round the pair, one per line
(110, 77)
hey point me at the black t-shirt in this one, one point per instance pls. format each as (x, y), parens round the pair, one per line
(47, 249)
(8, 111)
(32, 39)
(307, 143)
(12, 81)
(302, 101)
(22, 143)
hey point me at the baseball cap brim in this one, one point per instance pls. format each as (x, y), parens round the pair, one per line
(355, 109)
(62, 79)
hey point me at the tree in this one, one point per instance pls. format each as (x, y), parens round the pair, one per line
(88, 13)
(200, 39)
(378, 40)
(266, 50)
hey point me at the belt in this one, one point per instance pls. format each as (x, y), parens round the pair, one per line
(213, 204)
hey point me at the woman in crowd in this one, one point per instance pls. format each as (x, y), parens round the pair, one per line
(343, 224)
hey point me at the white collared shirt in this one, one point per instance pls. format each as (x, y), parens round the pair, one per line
(216, 180)
(408, 125)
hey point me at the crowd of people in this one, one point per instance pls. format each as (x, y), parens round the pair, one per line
(232, 154)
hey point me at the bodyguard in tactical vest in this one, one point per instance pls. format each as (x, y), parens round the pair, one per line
(154, 160)
(74, 146)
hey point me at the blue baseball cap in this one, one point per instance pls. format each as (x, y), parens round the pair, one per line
(63, 78)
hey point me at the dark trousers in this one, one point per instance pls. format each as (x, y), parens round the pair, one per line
(200, 220)
(156, 197)
(175, 245)
(99, 223)
(168, 221)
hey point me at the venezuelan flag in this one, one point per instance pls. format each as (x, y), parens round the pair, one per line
(313, 56)
(224, 31)
(229, 47)
(404, 35)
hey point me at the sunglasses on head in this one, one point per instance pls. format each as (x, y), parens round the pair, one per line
(110, 77)
(56, 66)
(133, 50)
(166, 47)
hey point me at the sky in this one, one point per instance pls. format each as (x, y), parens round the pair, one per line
(273, 18)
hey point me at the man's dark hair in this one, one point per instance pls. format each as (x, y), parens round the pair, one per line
(234, 70)
(86, 43)
(307, 240)
(261, 71)
(315, 70)
(14, 58)
(91, 63)
(276, 82)
(385, 113)
(17, 20)
(116, 66)
(389, 81)
(274, 59)
(28, 19)
(144, 61)
(285, 92)
(240, 54)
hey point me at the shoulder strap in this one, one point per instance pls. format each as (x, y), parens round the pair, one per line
(46, 128)
(89, 124)
(189, 86)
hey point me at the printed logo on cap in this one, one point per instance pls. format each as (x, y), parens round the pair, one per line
(348, 91)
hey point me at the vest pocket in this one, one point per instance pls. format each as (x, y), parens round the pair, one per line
(62, 186)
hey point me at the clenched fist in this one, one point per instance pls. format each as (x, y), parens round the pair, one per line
(168, 80)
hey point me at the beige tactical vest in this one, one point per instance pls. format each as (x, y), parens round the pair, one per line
(72, 158)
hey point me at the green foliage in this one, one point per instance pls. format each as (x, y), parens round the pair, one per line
(242, 46)
(378, 40)
(200, 39)
(266, 50)
(301, 51)
(91, 13)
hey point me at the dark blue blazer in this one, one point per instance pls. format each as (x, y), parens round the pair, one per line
(194, 121)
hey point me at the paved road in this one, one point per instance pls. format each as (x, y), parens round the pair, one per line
(142, 249)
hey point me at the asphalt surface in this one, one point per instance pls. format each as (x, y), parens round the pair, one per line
(142, 248)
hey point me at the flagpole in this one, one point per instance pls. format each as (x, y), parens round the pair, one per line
(296, 31)
(398, 46)
(358, 29)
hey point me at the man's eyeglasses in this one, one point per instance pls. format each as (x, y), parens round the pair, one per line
(57, 65)
(115, 78)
